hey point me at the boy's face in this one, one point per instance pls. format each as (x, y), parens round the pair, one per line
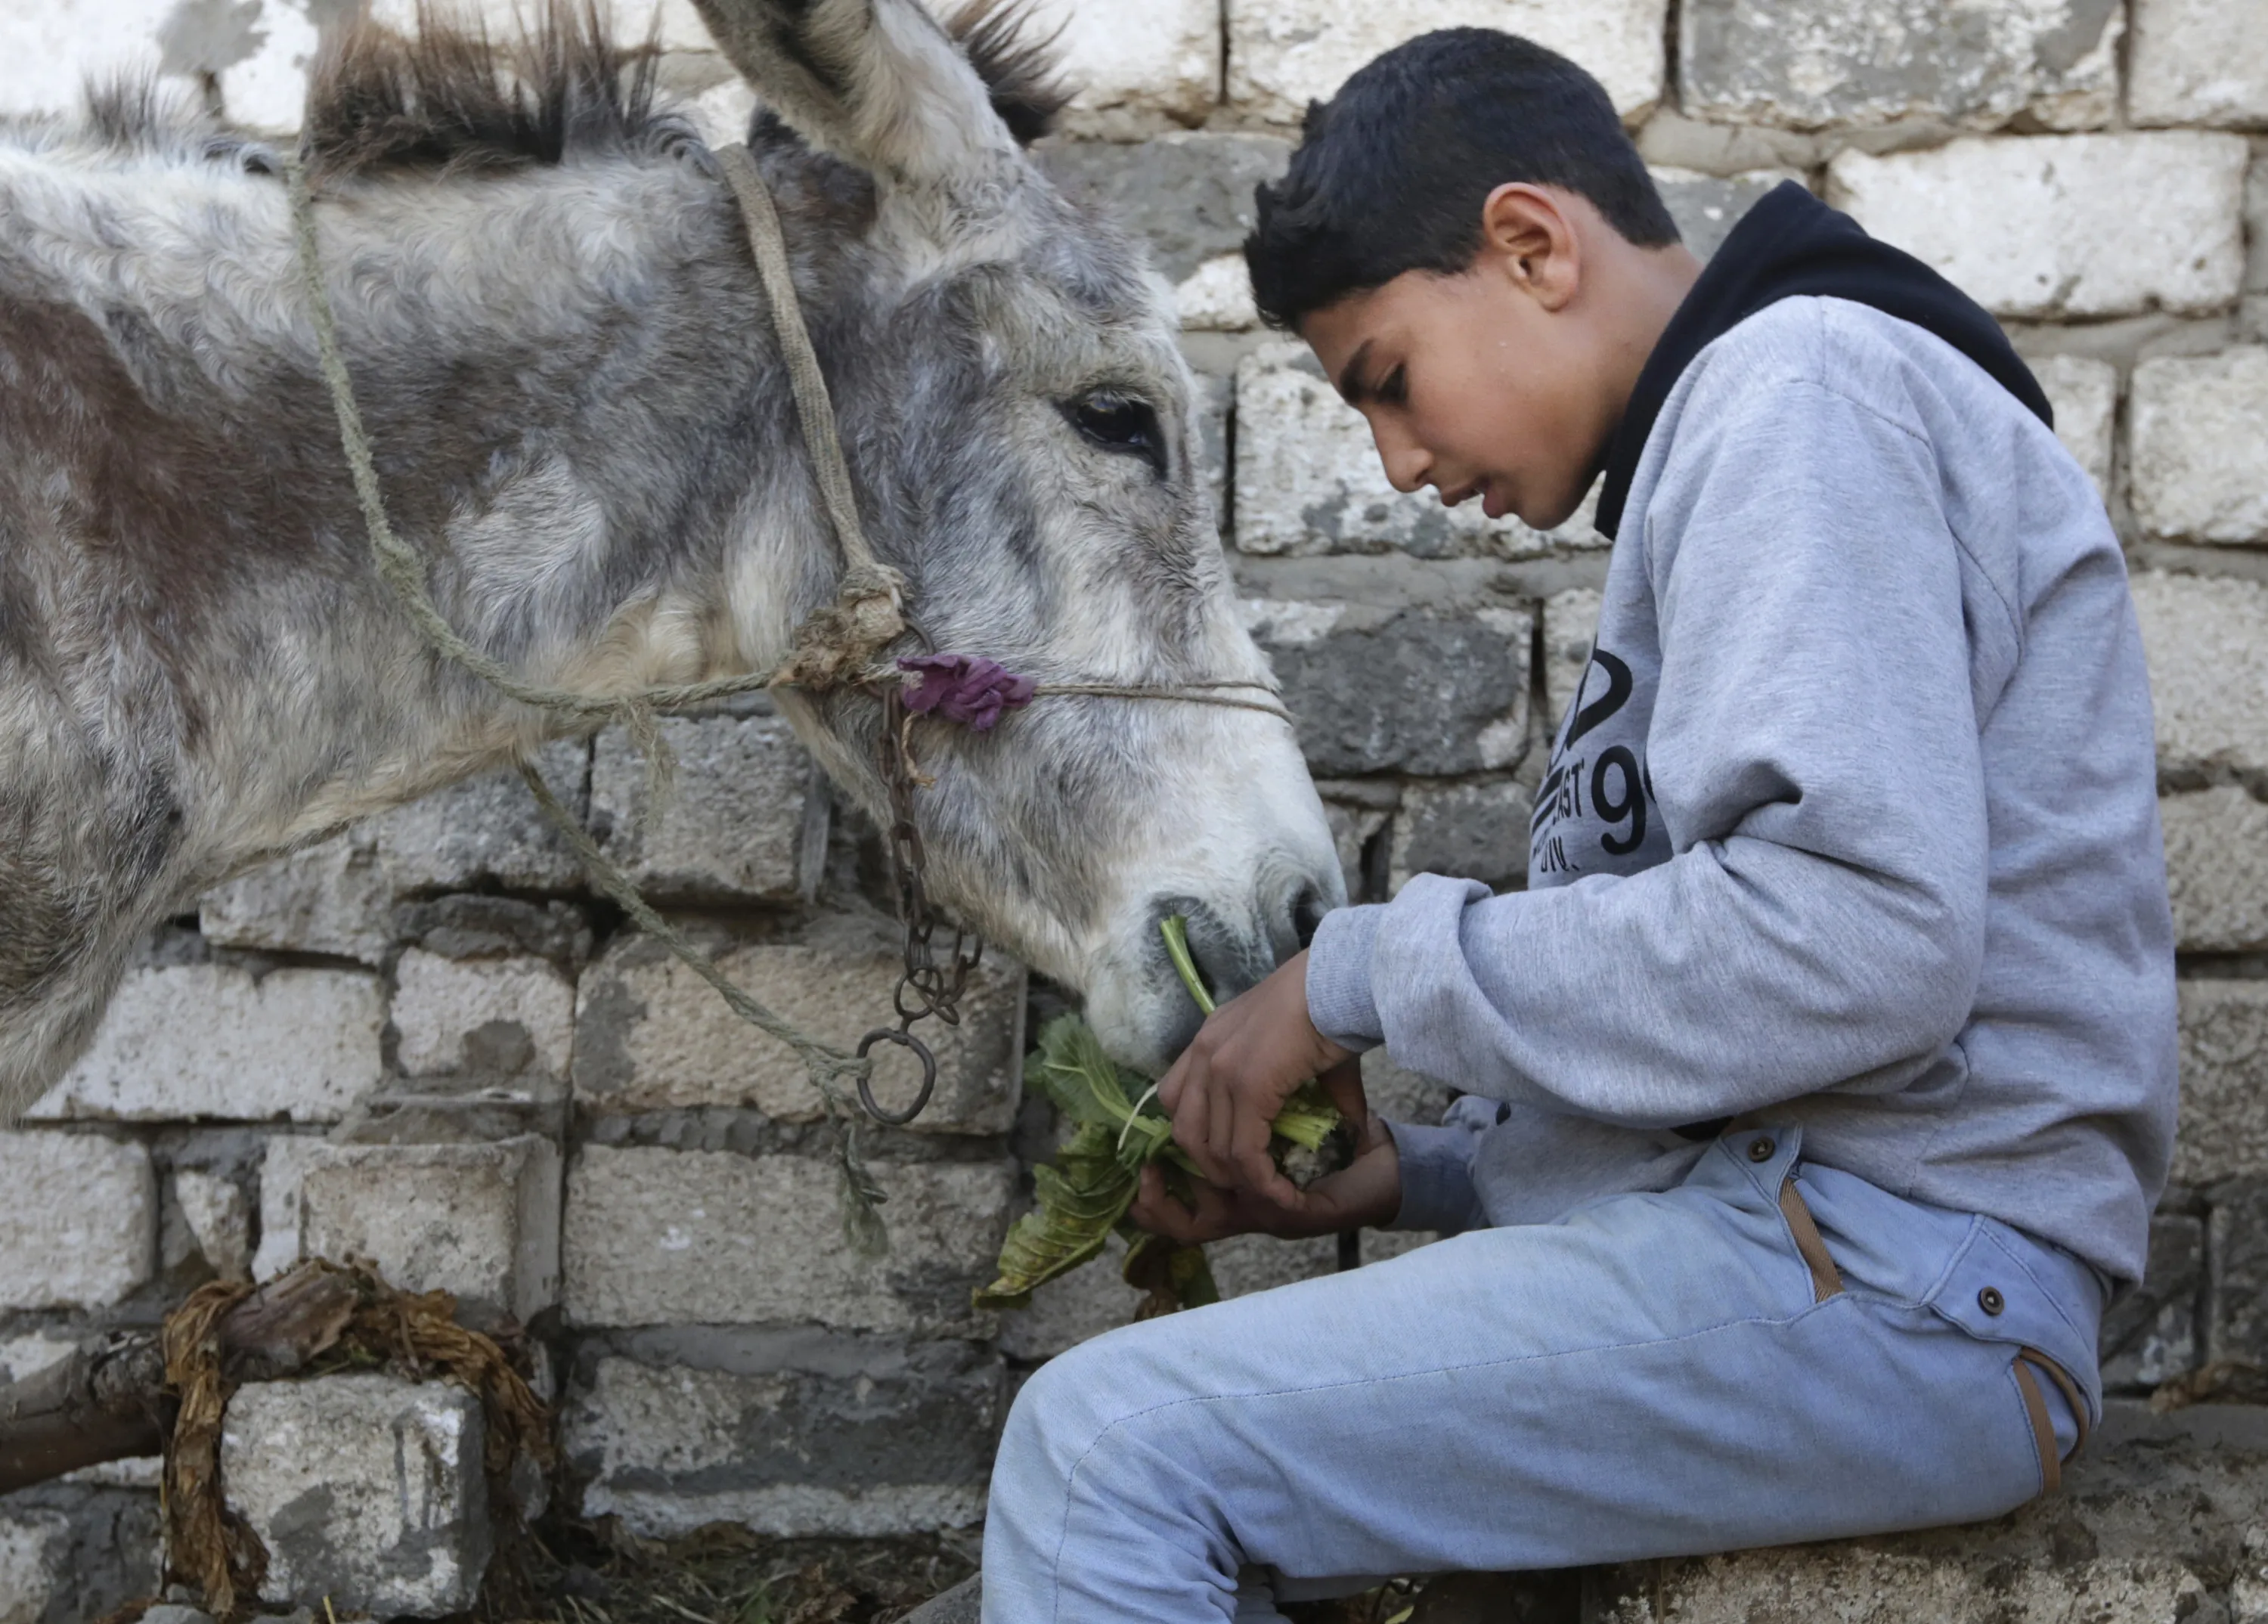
(1505, 380)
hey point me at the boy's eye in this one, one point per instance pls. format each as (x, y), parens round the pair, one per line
(1396, 390)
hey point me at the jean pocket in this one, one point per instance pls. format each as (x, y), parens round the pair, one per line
(1826, 1279)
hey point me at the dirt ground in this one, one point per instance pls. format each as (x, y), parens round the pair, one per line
(584, 1573)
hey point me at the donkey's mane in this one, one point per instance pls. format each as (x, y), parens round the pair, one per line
(450, 97)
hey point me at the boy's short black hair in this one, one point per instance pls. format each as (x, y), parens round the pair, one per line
(1392, 172)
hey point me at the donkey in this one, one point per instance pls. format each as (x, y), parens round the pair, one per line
(551, 314)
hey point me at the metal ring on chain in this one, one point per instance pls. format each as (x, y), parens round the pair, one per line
(905, 1040)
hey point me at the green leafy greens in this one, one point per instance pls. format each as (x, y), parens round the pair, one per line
(1119, 1126)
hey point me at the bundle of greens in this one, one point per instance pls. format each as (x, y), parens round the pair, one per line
(1082, 1195)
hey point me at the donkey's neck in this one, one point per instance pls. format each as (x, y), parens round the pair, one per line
(599, 453)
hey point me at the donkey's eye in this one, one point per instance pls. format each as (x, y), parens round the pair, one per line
(1121, 422)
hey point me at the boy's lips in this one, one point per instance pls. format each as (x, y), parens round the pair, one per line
(1493, 502)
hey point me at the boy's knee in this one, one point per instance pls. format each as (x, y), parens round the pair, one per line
(1062, 1409)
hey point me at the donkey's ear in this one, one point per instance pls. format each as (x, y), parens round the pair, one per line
(877, 82)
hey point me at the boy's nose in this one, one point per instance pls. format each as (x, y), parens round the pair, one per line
(1407, 464)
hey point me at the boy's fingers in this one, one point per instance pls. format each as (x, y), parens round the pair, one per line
(1158, 1211)
(1255, 1169)
(1193, 1113)
(1176, 1078)
(1343, 1084)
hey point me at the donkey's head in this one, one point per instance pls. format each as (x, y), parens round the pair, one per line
(1017, 414)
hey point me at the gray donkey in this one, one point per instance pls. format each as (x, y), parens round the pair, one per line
(551, 314)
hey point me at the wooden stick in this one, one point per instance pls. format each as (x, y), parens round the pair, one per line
(107, 1400)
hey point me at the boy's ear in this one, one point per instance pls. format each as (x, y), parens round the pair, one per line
(1533, 240)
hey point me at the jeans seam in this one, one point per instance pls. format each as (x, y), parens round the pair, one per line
(1072, 1476)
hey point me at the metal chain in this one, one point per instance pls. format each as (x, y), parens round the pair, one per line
(926, 987)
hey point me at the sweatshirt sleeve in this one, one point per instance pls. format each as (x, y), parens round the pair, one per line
(1814, 753)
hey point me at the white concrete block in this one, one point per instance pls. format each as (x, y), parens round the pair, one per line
(657, 1237)
(1217, 298)
(267, 86)
(2085, 395)
(333, 898)
(2198, 62)
(450, 1014)
(2054, 227)
(2224, 1120)
(1308, 479)
(261, 54)
(1282, 54)
(79, 1226)
(732, 829)
(480, 1221)
(24, 1357)
(1808, 64)
(218, 1220)
(1571, 623)
(653, 1035)
(2198, 431)
(487, 831)
(366, 1490)
(208, 1041)
(2206, 640)
(50, 49)
(1706, 207)
(1139, 69)
(283, 1165)
(2217, 869)
(35, 1562)
(836, 1438)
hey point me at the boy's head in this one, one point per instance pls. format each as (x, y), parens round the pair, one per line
(1473, 247)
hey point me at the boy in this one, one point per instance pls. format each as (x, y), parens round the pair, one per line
(1820, 1085)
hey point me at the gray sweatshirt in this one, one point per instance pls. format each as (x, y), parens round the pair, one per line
(1853, 822)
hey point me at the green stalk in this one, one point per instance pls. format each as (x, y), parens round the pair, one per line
(1175, 930)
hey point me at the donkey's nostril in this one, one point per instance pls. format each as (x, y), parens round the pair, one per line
(1308, 910)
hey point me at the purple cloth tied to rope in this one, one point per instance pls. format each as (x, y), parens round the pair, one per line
(968, 688)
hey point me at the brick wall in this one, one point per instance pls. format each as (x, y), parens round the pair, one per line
(424, 1042)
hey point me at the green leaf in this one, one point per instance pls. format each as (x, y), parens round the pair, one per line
(1081, 1198)
(1175, 929)
(1120, 1127)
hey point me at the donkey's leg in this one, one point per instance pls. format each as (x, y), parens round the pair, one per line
(43, 1030)
(88, 842)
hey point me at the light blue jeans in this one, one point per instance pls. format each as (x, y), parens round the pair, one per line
(1652, 1375)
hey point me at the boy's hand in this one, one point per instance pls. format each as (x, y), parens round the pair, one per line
(1369, 1191)
(1231, 1082)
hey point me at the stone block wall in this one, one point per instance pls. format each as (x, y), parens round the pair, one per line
(425, 1042)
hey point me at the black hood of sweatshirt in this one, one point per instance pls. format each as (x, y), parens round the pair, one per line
(1791, 246)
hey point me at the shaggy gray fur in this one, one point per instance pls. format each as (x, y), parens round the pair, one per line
(554, 329)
